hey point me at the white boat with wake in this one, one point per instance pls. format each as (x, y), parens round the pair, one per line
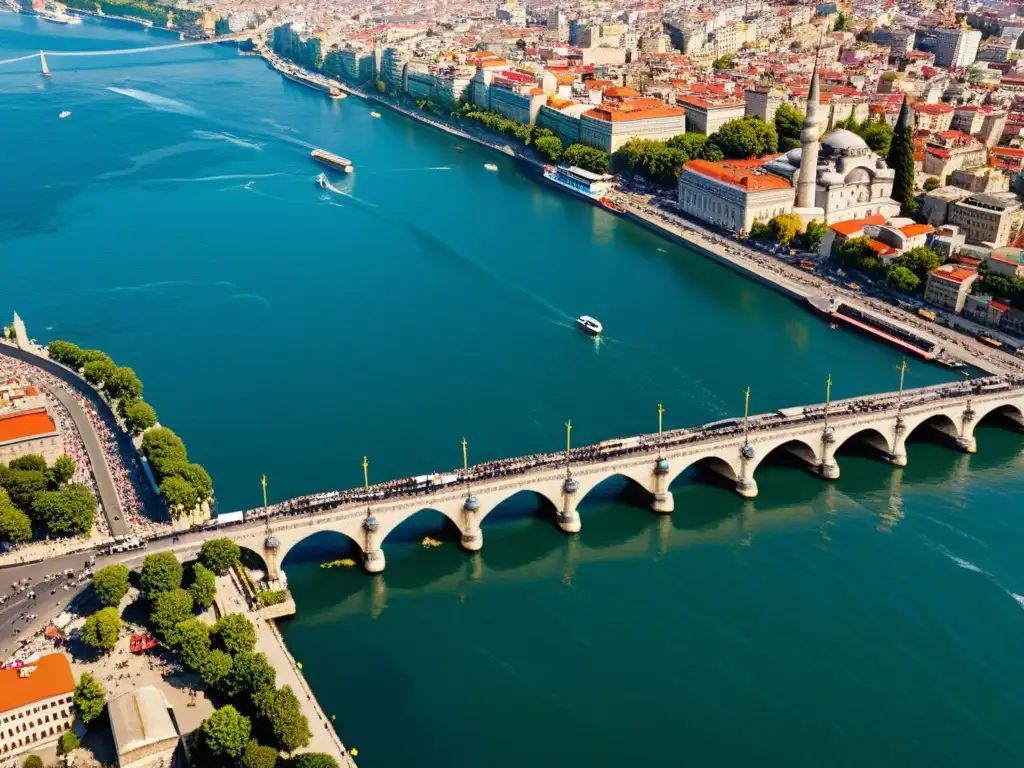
(589, 325)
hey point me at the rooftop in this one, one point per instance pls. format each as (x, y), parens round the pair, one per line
(748, 175)
(50, 677)
(634, 109)
(19, 426)
(139, 718)
(953, 273)
(853, 226)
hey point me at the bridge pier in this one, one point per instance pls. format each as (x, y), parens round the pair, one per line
(829, 470)
(374, 561)
(662, 503)
(746, 487)
(472, 538)
(967, 444)
(568, 516)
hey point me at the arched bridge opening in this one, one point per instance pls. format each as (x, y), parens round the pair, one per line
(1007, 417)
(520, 505)
(426, 544)
(710, 470)
(616, 488)
(867, 444)
(795, 454)
(607, 517)
(939, 428)
(322, 547)
(518, 531)
(421, 525)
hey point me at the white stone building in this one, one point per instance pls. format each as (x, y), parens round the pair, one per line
(35, 704)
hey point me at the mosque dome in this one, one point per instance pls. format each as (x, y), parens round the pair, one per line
(858, 176)
(793, 157)
(842, 140)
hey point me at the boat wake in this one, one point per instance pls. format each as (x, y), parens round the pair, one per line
(969, 566)
(161, 103)
(229, 138)
(250, 297)
(326, 184)
(223, 177)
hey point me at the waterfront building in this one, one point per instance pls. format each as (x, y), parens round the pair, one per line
(948, 151)
(707, 114)
(29, 430)
(987, 220)
(625, 114)
(35, 704)
(733, 194)
(143, 728)
(393, 59)
(763, 101)
(949, 285)
(956, 48)
(562, 117)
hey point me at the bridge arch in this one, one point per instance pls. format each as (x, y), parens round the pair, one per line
(333, 543)
(393, 522)
(793, 446)
(941, 422)
(593, 489)
(712, 463)
(870, 436)
(1010, 411)
(540, 498)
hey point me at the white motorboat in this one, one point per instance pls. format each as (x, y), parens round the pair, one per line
(490, 166)
(589, 325)
(64, 114)
(322, 180)
(375, 114)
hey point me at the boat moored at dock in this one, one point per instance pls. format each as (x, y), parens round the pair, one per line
(880, 327)
(590, 186)
(331, 160)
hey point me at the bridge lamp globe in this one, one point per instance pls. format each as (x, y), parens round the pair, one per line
(661, 468)
(747, 451)
(471, 504)
(570, 485)
(370, 523)
(271, 544)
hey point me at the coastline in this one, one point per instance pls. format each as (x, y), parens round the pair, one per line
(729, 252)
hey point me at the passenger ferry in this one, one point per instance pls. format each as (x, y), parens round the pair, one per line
(331, 160)
(589, 325)
(581, 182)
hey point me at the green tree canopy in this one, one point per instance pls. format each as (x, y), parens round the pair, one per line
(877, 135)
(67, 512)
(723, 62)
(161, 572)
(931, 183)
(788, 124)
(258, 756)
(94, 356)
(226, 732)
(66, 353)
(197, 477)
(747, 138)
(314, 760)
(283, 713)
(193, 638)
(33, 761)
(124, 383)
(587, 158)
(840, 22)
(162, 445)
(219, 554)
(814, 234)
(853, 251)
(89, 699)
(203, 587)
(920, 261)
(216, 668)
(787, 226)
(180, 496)
(62, 471)
(902, 279)
(170, 609)
(68, 743)
(549, 147)
(101, 629)
(236, 633)
(23, 486)
(15, 526)
(30, 462)
(111, 583)
(250, 675)
(98, 371)
(138, 415)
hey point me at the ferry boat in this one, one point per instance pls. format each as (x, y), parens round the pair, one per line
(875, 325)
(589, 325)
(490, 166)
(581, 182)
(58, 17)
(331, 160)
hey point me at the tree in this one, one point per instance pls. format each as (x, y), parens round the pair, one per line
(23, 486)
(236, 633)
(219, 554)
(920, 261)
(180, 496)
(138, 415)
(161, 572)
(853, 251)
(68, 743)
(840, 22)
(89, 699)
(588, 158)
(66, 353)
(94, 356)
(197, 477)
(226, 732)
(549, 147)
(762, 230)
(692, 144)
(162, 445)
(111, 583)
(203, 587)
(521, 44)
(15, 526)
(62, 471)
(98, 371)
(382, 87)
(33, 761)
(170, 609)
(283, 713)
(193, 636)
(903, 280)
(250, 675)
(931, 183)
(877, 135)
(786, 227)
(723, 62)
(314, 760)
(788, 124)
(901, 160)
(216, 668)
(101, 629)
(258, 756)
(30, 462)
(747, 138)
(124, 383)
(67, 512)
(814, 234)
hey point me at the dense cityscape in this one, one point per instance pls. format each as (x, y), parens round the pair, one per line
(863, 159)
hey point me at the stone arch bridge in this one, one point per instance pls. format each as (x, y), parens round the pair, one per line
(733, 449)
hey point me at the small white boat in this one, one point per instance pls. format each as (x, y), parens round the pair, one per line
(64, 114)
(375, 114)
(589, 325)
(322, 180)
(490, 166)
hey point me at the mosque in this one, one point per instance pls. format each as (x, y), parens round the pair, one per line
(834, 179)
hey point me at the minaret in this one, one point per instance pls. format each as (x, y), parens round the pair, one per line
(810, 140)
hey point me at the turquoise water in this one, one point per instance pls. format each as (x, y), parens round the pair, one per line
(173, 221)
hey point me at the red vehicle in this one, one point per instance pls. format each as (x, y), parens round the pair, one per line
(142, 642)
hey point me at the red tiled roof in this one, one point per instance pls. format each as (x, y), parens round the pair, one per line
(740, 173)
(933, 109)
(953, 273)
(880, 248)
(913, 230)
(633, 109)
(22, 425)
(51, 677)
(853, 226)
(999, 305)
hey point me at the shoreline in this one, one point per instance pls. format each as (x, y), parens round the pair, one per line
(731, 253)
